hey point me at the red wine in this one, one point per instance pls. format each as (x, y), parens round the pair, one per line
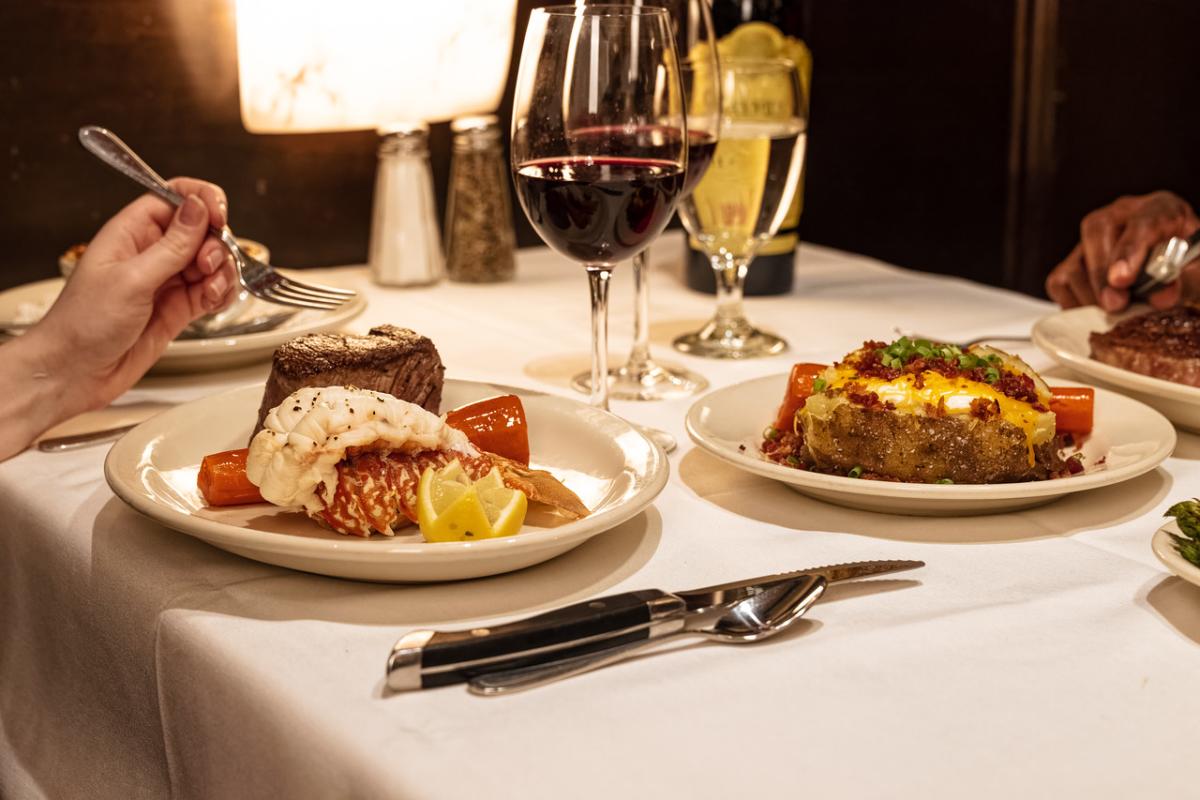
(599, 210)
(701, 146)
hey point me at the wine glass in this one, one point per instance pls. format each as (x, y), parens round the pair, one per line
(641, 377)
(742, 199)
(599, 141)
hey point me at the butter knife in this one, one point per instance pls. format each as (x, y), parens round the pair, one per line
(423, 659)
(58, 444)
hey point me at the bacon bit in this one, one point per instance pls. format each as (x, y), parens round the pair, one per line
(984, 409)
(919, 380)
(868, 400)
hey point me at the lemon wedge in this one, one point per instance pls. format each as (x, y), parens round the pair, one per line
(453, 508)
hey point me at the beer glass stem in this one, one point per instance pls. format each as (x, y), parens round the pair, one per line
(598, 278)
(731, 277)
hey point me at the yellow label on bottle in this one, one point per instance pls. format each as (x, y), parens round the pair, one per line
(729, 198)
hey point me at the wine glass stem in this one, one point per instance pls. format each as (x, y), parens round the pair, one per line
(598, 277)
(731, 277)
(639, 356)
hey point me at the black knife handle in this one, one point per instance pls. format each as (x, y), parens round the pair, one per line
(442, 657)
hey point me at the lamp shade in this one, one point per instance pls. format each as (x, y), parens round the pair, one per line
(313, 65)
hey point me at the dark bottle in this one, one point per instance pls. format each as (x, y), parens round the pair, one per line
(767, 28)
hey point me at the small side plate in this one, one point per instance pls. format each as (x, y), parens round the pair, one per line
(1164, 548)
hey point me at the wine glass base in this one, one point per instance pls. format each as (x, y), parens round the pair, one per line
(746, 342)
(649, 381)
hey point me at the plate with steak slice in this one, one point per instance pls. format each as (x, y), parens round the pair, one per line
(1152, 356)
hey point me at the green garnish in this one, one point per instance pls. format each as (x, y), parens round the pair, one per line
(904, 350)
(944, 480)
(819, 385)
(1187, 517)
(793, 461)
(854, 473)
(770, 433)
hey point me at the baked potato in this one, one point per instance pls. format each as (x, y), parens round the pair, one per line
(924, 412)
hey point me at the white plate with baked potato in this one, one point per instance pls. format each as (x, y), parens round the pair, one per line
(1128, 439)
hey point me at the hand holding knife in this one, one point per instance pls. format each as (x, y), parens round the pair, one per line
(423, 659)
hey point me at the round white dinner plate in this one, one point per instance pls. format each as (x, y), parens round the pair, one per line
(613, 468)
(195, 355)
(1128, 439)
(1164, 548)
(1064, 337)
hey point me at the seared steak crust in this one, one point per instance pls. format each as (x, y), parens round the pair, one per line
(925, 449)
(1161, 344)
(388, 359)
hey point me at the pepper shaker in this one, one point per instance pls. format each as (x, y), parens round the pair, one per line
(479, 228)
(406, 249)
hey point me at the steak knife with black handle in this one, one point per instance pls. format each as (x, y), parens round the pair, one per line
(423, 659)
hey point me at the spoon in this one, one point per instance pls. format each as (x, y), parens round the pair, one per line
(760, 616)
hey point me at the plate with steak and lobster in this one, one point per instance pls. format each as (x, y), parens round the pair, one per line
(343, 464)
(1151, 356)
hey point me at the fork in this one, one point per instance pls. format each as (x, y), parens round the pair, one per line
(970, 342)
(260, 279)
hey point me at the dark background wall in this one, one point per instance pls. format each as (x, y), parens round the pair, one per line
(964, 138)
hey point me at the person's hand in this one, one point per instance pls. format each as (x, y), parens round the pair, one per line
(144, 277)
(1114, 243)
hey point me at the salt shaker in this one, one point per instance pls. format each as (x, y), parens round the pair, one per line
(406, 249)
(479, 228)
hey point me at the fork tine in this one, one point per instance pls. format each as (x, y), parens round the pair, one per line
(296, 288)
(317, 289)
(276, 295)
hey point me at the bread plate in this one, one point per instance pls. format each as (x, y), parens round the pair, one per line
(1164, 548)
(613, 468)
(1128, 440)
(29, 302)
(1064, 337)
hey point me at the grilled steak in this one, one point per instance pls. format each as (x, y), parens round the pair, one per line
(1161, 344)
(388, 359)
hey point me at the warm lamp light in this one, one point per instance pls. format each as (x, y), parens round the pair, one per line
(312, 65)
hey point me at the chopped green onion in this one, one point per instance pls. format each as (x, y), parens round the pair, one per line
(991, 375)
(771, 433)
(943, 480)
(819, 385)
(793, 461)
(854, 473)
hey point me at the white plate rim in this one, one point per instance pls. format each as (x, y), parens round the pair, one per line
(923, 491)
(1086, 365)
(350, 548)
(181, 351)
(1164, 549)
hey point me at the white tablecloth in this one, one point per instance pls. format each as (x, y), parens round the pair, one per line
(1043, 653)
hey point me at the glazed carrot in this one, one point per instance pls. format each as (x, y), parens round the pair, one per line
(1072, 407)
(223, 482)
(496, 425)
(799, 387)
